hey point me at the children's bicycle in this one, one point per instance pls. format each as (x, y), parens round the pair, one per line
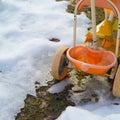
(100, 53)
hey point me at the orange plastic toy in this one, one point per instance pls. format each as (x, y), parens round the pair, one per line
(91, 61)
(101, 4)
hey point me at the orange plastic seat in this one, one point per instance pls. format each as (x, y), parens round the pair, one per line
(91, 61)
(117, 3)
(101, 4)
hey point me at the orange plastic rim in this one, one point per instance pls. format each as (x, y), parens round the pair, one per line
(101, 4)
(91, 61)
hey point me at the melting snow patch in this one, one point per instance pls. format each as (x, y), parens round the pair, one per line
(59, 87)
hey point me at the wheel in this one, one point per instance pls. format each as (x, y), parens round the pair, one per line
(116, 84)
(59, 66)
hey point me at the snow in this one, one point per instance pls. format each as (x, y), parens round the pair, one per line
(72, 113)
(59, 87)
(26, 53)
(82, 114)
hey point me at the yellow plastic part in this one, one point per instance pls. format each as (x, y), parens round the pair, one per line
(115, 24)
(109, 45)
(103, 31)
(88, 37)
(91, 61)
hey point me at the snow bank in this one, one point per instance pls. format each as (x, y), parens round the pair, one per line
(76, 113)
(25, 49)
(26, 52)
(72, 113)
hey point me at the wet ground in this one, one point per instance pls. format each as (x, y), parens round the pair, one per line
(45, 106)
